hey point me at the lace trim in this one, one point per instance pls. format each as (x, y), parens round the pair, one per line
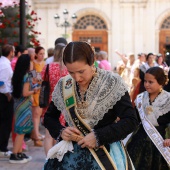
(160, 106)
(59, 136)
(97, 139)
(103, 93)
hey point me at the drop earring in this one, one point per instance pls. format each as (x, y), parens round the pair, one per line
(94, 71)
(160, 90)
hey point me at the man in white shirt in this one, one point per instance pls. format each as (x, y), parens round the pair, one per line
(58, 40)
(6, 100)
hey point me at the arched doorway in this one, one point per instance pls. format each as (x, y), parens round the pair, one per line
(164, 36)
(92, 29)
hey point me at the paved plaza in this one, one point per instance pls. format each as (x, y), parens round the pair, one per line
(37, 162)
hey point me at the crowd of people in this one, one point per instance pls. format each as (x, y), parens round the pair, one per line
(21, 74)
(91, 109)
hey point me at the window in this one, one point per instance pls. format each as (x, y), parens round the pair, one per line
(90, 21)
(166, 23)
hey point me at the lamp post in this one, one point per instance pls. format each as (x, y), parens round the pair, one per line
(22, 35)
(66, 23)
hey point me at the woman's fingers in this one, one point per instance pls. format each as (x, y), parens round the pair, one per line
(68, 131)
(88, 141)
(166, 142)
(74, 130)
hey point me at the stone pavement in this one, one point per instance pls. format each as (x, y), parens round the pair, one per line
(37, 162)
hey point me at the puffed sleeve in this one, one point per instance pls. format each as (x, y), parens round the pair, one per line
(51, 120)
(128, 122)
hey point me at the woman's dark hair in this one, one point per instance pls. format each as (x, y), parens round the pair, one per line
(141, 76)
(147, 57)
(78, 51)
(159, 75)
(21, 68)
(60, 40)
(37, 49)
(20, 49)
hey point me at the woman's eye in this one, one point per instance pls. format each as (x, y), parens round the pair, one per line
(81, 72)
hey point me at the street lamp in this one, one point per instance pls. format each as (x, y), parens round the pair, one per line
(66, 23)
(22, 35)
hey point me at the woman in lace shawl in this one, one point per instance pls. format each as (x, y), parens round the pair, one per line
(145, 148)
(98, 114)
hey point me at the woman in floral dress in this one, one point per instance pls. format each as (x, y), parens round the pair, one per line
(56, 71)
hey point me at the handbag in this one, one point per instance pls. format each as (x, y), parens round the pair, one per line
(45, 90)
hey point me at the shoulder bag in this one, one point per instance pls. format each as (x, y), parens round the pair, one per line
(45, 90)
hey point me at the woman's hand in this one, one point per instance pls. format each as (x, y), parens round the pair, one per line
(88, 141)
(36, 90)
(32, 99)
(67, 133)
(166, 142)
(9, 96)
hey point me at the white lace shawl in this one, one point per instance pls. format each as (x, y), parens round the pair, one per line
(160, 106)
(104, 91)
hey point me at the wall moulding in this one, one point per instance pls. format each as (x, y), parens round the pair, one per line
(136, 3)
(133, 1)
(45, 4)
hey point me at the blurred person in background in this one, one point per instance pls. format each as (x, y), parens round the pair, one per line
(150, 62)
(31, 53)
(22, 107)
(38, 65)
(50, 52)
(56, 70)
(127, 71)
(134, 91)
(6, 100)
(58, 40)
(18, 51)
(104, 64)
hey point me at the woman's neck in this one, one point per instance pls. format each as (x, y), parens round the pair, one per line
(151, 64)
(153, 96)
(85, 86)
(38, 61)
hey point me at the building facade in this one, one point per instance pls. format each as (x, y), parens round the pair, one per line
(127, 25)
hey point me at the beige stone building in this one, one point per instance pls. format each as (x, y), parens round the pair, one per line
(127, 25)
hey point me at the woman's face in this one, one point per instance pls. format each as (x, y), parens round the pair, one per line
(151, 84)
(131, 58)
(160, 60)
(81, 72)
(150, 59)
(40, 55)
(143, 58)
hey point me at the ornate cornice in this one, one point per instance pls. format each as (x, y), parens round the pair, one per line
(133, 1)
(140, 3)
(45, 4)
